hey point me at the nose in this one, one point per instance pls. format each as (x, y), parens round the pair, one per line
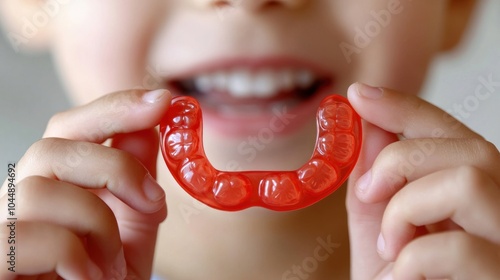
(251, 5)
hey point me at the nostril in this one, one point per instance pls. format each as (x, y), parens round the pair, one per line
(272, 4)
(221, 4)
(260, 4)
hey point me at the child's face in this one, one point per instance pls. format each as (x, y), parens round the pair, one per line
(252, 48)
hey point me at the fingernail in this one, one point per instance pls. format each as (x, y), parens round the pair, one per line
(154, 96)
(380, 244)
(94, 271)
(364, 182)
(369, 91)
(119, 268)
(388, 276)
(152, 190)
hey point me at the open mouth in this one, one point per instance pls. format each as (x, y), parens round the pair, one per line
(246, 93)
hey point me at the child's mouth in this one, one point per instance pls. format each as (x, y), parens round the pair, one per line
(242, 97)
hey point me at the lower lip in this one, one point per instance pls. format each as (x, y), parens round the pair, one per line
(280, 121)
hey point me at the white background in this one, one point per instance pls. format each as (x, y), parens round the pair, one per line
(30, 91)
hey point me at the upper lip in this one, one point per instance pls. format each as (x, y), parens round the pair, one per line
(251, 63)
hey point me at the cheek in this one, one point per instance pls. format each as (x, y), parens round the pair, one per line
(393, 46)
(101, 47)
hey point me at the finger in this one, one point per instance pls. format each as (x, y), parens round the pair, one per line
(465, 195)
(365, 219)
(74, 162)
(46, 276)
(405, 114)
(41, 248)
(115, 113)
(409, 160)
(448, 255)
(138, 233)
(45, 200)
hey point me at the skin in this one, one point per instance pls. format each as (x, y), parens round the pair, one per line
(104, 48)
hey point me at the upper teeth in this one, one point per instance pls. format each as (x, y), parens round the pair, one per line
(245, 83)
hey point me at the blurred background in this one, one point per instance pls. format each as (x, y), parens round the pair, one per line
(30, 91)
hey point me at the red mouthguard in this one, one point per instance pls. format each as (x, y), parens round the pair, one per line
(337, 148)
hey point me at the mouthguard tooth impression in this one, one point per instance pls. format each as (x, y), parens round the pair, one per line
(338, 145)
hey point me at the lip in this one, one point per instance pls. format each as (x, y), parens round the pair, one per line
(251, 63)
(279, 118)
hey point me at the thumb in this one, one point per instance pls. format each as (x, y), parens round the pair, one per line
(364, 219)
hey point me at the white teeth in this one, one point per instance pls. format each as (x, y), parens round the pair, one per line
(203, 83)
(286, 79)
(219, 80)
(304, 78)
(240, 83)
(245, 83)
(265, 84)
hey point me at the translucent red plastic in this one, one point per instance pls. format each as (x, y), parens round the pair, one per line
(337, 148)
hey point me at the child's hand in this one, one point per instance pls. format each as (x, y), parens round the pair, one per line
(435, 196)
(82, 204)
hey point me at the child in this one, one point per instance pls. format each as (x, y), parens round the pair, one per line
(89, 208)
